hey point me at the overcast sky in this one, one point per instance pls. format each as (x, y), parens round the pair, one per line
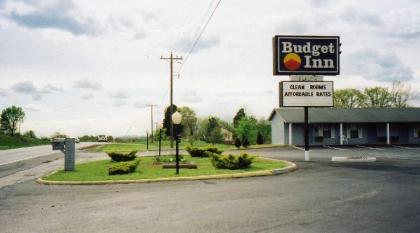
(90, 67)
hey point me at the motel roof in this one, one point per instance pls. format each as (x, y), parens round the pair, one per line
(353, 115)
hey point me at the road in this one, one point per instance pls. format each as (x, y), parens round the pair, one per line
(15, 155)
(321, 196)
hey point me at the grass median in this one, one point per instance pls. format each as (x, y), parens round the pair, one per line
(98, 170)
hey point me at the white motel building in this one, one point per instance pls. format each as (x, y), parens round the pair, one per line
(359, 126)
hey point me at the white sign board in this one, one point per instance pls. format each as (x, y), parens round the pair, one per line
(306, 94)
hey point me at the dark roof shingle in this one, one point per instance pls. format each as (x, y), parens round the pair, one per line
(355, 115)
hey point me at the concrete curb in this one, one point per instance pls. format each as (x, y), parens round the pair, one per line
(289, 168)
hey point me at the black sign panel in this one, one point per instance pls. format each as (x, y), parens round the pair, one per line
(57, 145)
(306, 55)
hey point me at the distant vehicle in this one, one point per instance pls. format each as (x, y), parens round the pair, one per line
(102, 138)
(77, 140)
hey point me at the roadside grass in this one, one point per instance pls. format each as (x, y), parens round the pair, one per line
(141, 146)
(12, 142)
(98, 170)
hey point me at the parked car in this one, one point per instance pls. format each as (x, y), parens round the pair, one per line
(77, 140)
(102, 138)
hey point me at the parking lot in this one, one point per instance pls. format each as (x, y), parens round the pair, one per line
(325, 153)
(321, 196)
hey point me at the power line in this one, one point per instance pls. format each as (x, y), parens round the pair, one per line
(199, 36)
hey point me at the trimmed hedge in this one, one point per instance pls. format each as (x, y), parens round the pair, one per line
(122, 156)
(203, 152)
(123, 167)
(231, 162)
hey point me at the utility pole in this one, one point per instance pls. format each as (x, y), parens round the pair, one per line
(151, 119)
(171, 108)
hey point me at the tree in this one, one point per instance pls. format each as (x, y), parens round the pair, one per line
(10, 118)
(349, 98)
(59, 135)
(264, 127)
(189, 123)
(247, 129)
(378, 97)
(239, 115)
(168, 118)
(245, 142)
(238, 143)
(210, 130)
(400, 93)
(260, 139)
(30, 134)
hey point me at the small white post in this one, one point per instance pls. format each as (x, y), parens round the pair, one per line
(341, 133)
(306, 155)
(387, 134)
(290, 135)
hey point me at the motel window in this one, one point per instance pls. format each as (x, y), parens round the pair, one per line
(417, 133)
(355, 132)
(326, 131)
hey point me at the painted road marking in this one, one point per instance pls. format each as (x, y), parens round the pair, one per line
(299, 148)
(372, 148)
(404, 147)
(336, 148)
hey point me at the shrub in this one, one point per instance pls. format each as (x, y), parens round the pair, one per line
(169, 159)
(231, 162)
(123, 167)
(238, 143)
(245, 142)
(260, 139)
(201, 152)
(122, 156)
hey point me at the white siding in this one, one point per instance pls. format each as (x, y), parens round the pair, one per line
(277, 130)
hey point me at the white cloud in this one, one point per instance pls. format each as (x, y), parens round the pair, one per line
(87, 96)
(87, 84)
(119, 95)
(28, 88)
(3, 93)
(379, 66)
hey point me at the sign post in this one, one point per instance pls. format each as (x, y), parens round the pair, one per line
(305, 59)
(67, 146)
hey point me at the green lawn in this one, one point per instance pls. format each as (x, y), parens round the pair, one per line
(98, 170)
(11, 142)
(141, 146)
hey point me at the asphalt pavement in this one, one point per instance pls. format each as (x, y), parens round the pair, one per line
(321, 196)
(20, 154)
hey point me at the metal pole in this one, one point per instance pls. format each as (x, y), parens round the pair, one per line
(171, 108)
(177, 154)
(306, 127)
(151, 120)
(160, 139)
(147, 140)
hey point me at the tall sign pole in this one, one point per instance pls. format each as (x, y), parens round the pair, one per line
(304, 58)
(171, 58)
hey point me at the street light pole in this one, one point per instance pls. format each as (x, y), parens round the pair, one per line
(176, 119)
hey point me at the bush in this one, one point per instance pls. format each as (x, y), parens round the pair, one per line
(122, 156)
(238, 143)
(230, 161)
(201, 152)
(260, 139)
(245, 142)
(169, 159)
(123, 167)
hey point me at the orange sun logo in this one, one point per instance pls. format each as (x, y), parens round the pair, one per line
(292, 61)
